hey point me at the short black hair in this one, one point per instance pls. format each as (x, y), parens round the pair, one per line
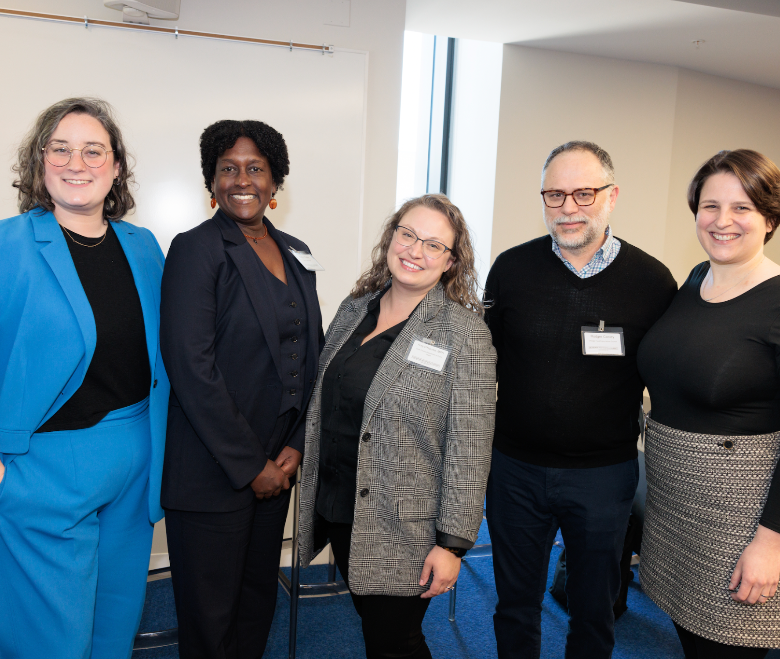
(223, 135)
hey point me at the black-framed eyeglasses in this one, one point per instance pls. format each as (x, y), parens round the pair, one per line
(582, 196)
(433, 249)
(59, 155)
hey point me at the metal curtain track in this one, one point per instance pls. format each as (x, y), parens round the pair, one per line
(174, 31)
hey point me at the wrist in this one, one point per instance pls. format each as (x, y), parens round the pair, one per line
(458, 552)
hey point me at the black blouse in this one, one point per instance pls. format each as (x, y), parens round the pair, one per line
(714, 368)
(119, 374)
(345, 385)
(344, 388)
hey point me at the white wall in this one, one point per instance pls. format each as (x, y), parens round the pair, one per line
(376, 26)
(659, 123)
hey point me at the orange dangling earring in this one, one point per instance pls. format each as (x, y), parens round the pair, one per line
(273, 203)
(213, 202)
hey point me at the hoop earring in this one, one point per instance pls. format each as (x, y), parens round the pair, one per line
(213, 202)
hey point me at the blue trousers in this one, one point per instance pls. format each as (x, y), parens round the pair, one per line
(526, 505)
(75, 539)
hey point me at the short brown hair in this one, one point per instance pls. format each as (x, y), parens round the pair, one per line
(30, 166)
(460, 281)
(590, 147)
(759, 176)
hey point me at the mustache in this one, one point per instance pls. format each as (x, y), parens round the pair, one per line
(566, 220)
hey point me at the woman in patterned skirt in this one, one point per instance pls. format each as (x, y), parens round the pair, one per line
(711, 547)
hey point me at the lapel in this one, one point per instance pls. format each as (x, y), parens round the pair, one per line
(134, 250)
(421, 324)
(248, 266)
(55, 250)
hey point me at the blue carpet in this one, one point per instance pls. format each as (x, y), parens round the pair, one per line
(329, 628)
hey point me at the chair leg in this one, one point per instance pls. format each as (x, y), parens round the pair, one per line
(453, 596)
(295, 577)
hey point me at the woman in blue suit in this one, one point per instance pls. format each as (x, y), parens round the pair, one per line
(83, 394)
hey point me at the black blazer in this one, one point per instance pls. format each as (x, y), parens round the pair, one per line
(220, 345)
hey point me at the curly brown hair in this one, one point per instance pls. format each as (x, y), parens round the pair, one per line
(759, 176)
(460, 281)
(30, 166)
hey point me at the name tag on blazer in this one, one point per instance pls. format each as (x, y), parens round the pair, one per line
(425, 353)
(306, 260)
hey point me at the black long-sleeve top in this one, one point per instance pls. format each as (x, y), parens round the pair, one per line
(557, 407)
(714, 368)
(119, 374)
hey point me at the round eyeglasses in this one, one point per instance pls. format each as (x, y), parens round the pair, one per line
(432, 249)
(582, 197)
(59, 155)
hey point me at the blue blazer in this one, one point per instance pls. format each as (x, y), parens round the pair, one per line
(48, 335)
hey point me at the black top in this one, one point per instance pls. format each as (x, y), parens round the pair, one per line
(344, 387)
(291, 320)
(119, 374)
(714, 368)
(557, 407)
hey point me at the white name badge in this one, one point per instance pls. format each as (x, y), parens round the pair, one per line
(425, 353)
(306, 260)
(603, 341)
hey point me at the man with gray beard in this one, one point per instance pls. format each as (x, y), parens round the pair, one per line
(567, 313)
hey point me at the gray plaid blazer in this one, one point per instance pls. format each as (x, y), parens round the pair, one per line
(425, 456)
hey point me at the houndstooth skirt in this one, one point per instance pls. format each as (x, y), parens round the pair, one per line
(705, 494)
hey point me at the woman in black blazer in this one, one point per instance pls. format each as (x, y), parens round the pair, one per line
(241, 333)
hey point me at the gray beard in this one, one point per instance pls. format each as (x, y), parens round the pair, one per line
(594, 230)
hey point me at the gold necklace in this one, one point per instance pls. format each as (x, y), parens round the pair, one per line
(256, 238)
(712, 277)
(82, 244)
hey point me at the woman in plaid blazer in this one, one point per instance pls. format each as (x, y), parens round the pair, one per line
(400, 426)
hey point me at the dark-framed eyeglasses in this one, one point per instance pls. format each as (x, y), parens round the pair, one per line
(582, 196)
(432, 249)
(59, 155)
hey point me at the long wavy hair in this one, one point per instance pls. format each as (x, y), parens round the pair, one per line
(460, 281)
(31, 168)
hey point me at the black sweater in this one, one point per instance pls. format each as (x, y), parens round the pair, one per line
(557, 407)
(714, 368)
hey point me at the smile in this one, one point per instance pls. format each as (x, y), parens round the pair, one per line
(73, 181)
(724, 237)
(243, 197)
(409, 266)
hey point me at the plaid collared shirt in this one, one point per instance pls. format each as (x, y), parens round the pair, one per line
(601, 259)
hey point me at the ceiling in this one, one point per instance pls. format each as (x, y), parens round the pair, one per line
(744, 45)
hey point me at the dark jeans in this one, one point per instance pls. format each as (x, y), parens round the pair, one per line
(392, 626)
(224, 568)
(526, 505)
(696, 647)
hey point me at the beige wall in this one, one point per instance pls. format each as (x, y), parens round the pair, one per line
(376, 26)
(659, 123)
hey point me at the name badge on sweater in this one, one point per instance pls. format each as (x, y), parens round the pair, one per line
(306, 260)
(603, 341)
(426, 353)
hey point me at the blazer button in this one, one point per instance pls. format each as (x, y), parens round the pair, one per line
(294, 356)
(366, 436)
(293, 304)
(294, 373)
(297, 321)
(364, 492)
(292, 392)
(154, 385)
(294, 339)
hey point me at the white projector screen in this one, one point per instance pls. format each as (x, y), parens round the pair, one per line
(166, 90)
